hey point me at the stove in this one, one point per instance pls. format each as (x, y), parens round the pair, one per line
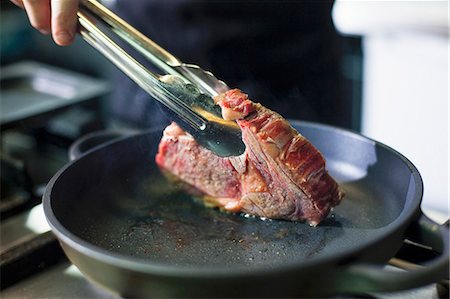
(33, 265)
(32, 262)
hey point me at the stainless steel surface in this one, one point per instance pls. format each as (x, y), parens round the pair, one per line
(186, 90)
(29, 89)
(22, 227)
(61, 281)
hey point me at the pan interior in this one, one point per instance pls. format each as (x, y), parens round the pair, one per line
(116, 198)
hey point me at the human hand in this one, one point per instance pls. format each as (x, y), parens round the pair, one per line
(56, 17)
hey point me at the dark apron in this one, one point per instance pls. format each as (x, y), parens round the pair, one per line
(284, 54)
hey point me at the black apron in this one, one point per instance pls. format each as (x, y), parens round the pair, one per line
(284, 54)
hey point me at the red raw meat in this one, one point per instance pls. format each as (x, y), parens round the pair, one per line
(281, 175)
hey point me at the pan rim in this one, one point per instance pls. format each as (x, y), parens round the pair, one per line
(406, 216)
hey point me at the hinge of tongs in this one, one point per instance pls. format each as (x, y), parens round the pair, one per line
(186, 90)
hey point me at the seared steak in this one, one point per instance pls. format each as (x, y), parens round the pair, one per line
(281, 175)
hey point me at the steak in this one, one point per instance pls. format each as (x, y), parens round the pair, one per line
(281, 175)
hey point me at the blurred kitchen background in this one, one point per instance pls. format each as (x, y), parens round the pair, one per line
(393, 64)
(49, 96)
(405, 84)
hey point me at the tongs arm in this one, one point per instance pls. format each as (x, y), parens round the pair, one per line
(152, 51)
(136, 71)
(161, 58)
(186, 90)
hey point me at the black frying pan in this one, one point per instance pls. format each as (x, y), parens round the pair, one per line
(125, 227)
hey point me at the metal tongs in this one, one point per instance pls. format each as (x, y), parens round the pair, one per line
(186, 90)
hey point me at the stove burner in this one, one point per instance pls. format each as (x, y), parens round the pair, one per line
(29, 258)
(16, 195)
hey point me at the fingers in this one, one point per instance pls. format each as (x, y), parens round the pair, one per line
(58, 17)
(18, 3)
(63, 20)
(38, 12)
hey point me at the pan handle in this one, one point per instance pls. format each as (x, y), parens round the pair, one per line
(364, 278)
(93, 140)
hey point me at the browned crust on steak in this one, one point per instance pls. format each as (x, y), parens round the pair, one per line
(281, 174)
